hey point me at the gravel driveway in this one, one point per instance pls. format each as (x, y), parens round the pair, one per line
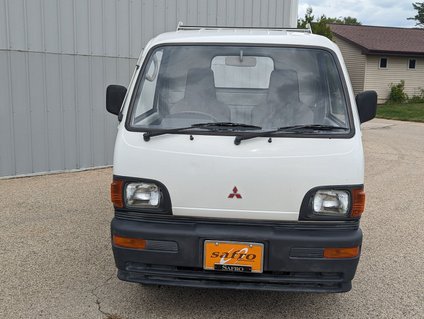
(56, 260)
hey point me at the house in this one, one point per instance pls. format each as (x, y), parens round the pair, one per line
(376, 57)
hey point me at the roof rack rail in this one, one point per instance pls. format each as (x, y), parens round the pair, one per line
(182, 27)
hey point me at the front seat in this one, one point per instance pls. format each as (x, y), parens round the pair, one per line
(200, 96)
(283, 106)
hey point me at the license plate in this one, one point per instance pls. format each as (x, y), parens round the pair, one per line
(233, 256)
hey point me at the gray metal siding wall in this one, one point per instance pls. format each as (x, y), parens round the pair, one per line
(58, 56)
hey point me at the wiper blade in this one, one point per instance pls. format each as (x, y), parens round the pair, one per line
(228, 125)
(207, 126)
(293, 128)
(148, 135)
(314, 127)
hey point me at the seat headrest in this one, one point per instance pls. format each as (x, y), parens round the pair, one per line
(283, 87)
(200, 84)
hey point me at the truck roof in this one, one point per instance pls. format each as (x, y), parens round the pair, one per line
(243, 36)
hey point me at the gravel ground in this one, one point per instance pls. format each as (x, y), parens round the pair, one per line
(56, 259)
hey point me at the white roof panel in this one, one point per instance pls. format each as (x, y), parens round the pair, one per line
(243, 36)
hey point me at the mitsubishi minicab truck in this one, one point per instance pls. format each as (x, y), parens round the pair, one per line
(239, 162)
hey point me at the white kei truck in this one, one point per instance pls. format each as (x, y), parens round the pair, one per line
(239, 162)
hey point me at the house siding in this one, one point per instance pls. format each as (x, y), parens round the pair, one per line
(380, 79)
(355, 62)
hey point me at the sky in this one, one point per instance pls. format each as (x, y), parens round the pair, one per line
(392, 13)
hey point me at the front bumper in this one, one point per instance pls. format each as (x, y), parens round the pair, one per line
(292, 260)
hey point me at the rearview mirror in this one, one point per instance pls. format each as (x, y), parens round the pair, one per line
(247, 61)
(367, 105)
(115, 95)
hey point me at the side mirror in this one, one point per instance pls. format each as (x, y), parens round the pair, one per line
(367, 105)
(115, 95)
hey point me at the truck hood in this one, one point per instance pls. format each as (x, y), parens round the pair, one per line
(212, 177)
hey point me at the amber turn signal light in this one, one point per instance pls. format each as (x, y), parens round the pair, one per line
(127, 242)
(341, 252)
(116, 193)
(358, 202)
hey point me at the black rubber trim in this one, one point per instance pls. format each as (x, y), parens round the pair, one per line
(306, 209)
(204, 279)
(349, 105)
(131, 215)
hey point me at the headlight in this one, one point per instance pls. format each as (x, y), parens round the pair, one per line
(142, 195)
(331, 203)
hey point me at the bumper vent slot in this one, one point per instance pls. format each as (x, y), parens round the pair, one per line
(162, 245)
(307, 252)
(197, 277)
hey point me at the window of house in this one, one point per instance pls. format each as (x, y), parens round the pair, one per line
(412, 64)
(383, 63)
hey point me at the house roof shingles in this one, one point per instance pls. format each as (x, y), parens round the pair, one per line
(382, 40)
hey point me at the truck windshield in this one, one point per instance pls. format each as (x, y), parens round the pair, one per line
(258, 88)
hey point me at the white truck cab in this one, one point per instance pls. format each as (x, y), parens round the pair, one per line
(239, 162)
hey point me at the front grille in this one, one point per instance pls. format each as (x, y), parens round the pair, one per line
(197, 277)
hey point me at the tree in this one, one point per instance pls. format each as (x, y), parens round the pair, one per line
(320, 25)
(349, 21)
(308, 19)
(419, 6)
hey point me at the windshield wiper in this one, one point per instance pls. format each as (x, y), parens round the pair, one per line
(292, 129)
(214, 126)
(227, 125)
(312, 127)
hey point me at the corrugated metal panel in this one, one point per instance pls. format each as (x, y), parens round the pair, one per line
(58, 56)
(7, 147)
(53, 110)
(122, 27)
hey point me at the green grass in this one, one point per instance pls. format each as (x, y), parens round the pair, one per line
(413, 112)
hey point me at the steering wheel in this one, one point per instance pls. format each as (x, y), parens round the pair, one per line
(194, 114)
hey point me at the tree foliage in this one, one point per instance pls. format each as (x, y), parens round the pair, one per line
(419, 17)
(320, 25)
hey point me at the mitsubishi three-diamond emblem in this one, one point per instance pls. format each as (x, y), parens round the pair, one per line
(235, 194)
